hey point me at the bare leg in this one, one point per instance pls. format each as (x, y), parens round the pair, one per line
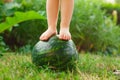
(66, 15)
(52, 7)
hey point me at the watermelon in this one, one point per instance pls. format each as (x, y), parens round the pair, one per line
(55, 53)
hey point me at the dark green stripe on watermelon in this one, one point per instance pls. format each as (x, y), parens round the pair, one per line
(57, 53)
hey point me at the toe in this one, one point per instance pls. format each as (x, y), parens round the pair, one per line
(60, 36)
(47, 34)
(64, 37)
(45, 38)
(41, 37)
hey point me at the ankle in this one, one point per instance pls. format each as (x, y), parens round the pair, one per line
(52, 29)
(64, 24)
(64, 28)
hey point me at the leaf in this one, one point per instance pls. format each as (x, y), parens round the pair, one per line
(19, 17)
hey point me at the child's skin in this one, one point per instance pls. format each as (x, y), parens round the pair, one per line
(52, 9)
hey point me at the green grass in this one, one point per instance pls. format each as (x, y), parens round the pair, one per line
(90, 67)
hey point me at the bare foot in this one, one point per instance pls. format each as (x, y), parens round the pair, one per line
(64, 34)
(47, 34)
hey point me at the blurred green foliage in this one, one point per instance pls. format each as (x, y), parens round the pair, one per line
(8, 9)
(117, 1)
(19, 17)
(92, 30)
(3, 46)
(110, 9)
(13, 37)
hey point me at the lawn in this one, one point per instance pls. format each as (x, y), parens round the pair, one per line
(90, 67)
